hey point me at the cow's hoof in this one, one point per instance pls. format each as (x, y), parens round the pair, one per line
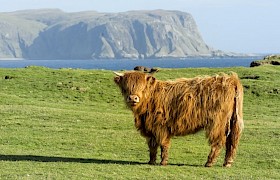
(163, 163)
(152, 162)
(228, 165)
(208, 164)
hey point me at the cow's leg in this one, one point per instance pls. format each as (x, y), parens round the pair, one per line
(217, 141)
(153, 146)
(231, 144)
(230, 152)
(164, 146)
(214, 153)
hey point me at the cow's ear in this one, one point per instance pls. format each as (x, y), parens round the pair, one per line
(151, 79)
(118, 78)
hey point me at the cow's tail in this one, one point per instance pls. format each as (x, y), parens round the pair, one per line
(236, 127)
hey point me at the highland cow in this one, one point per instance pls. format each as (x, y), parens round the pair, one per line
(163, 109)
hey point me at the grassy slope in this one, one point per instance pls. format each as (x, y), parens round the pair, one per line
(72, 124)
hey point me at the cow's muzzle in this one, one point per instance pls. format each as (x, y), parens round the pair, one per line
(133, 100)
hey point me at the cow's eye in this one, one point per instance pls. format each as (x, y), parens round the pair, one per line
(124, 91)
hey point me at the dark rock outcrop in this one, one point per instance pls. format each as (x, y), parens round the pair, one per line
(270, 59)
(146, 69)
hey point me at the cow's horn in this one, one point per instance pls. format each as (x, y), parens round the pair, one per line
(118, 74)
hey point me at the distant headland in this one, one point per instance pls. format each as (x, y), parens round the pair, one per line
(54, 34)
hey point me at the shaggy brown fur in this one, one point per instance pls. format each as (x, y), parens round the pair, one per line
(163, 109)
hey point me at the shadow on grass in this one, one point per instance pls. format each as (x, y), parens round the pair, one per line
(63, 159)
(75, 160)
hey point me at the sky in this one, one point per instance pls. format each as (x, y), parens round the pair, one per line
(242, 26)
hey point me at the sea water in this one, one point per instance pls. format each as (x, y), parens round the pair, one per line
(124, 64)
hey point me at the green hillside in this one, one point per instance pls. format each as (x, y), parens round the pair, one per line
(73, 124)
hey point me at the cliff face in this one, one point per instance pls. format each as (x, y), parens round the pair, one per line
(16, 35)
(53, 34)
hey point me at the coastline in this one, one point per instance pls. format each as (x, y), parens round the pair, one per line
(126, 64)
(11, 59)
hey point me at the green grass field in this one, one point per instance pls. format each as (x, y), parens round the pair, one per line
(73, 124)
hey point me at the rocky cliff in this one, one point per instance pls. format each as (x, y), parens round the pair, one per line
(53, 34)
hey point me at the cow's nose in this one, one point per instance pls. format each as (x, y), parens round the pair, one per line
(133, 98)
